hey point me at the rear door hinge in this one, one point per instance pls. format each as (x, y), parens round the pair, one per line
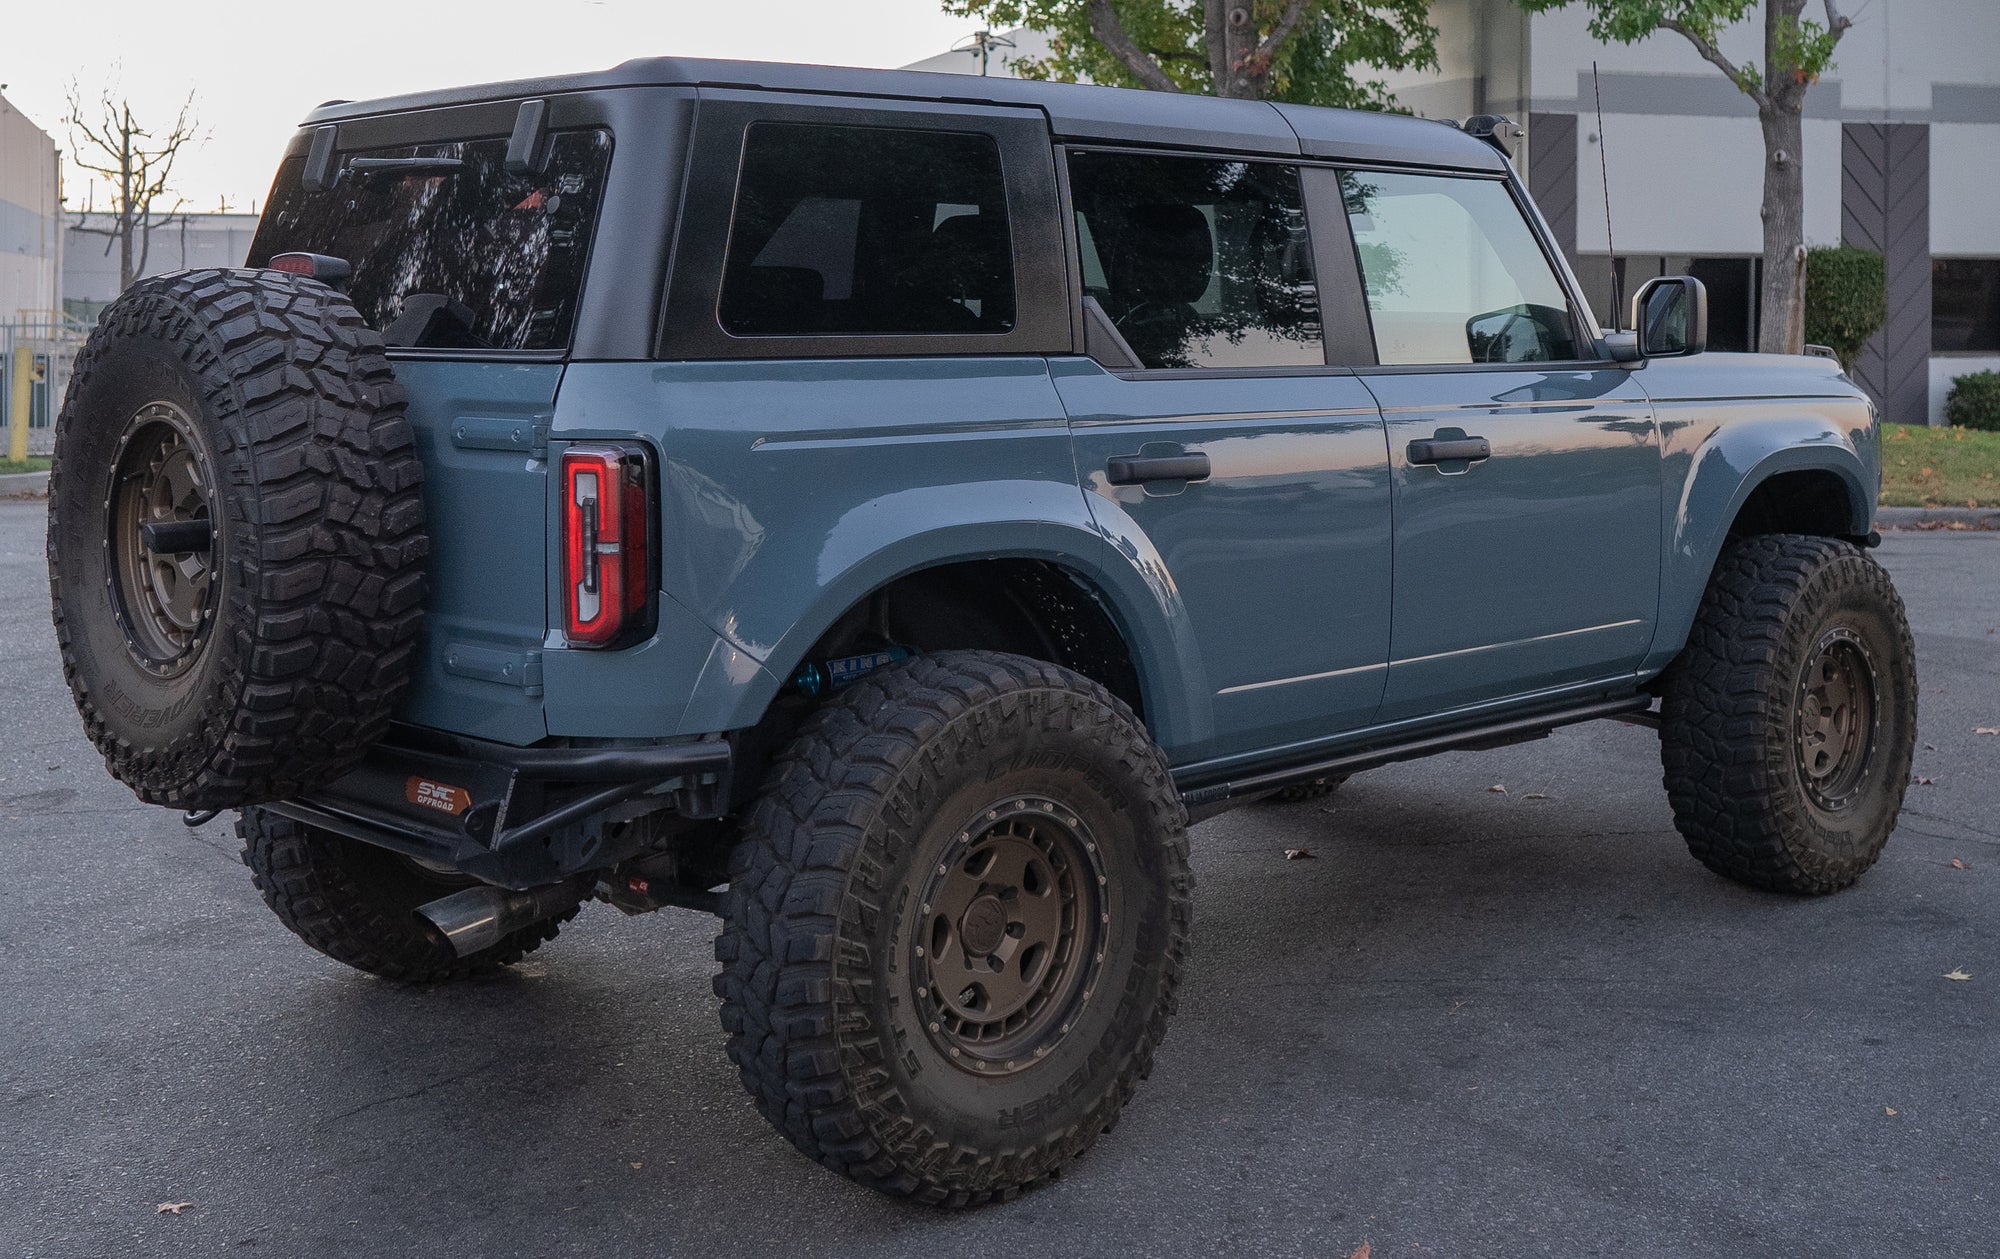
(488, 664)
(527, 434)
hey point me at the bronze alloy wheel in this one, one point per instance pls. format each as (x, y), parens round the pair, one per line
(1835, 718)
(160, 536)
(1014, 922)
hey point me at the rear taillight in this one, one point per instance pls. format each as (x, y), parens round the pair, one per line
(607, 544)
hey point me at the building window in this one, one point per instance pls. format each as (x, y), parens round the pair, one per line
(1965, 305)
(1731, 285)
(875, 230)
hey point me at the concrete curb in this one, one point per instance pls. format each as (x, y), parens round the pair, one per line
(24, 485)
(1937, 517)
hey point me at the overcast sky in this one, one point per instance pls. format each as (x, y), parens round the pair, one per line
(256, 68)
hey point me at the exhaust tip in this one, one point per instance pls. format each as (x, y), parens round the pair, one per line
(471, 921)
(478, 918)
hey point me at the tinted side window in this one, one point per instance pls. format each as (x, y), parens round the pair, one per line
(867, 230)
(1199, 263)
(1453, 272)
(468, 255)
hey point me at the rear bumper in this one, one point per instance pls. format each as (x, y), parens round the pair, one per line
(516, 817)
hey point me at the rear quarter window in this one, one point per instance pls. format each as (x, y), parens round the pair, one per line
(467, 257)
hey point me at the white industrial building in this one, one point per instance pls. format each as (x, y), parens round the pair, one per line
(31, 241)
(180, 241)
(30, 219)
(1902, 155)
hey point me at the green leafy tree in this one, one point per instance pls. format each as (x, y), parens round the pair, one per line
(1295, 50)
(1797, 50)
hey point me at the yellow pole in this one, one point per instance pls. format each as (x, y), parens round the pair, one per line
(23, 399)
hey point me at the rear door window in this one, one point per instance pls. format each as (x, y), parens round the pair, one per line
(867, 230)
(1199, 262)
(461, 255)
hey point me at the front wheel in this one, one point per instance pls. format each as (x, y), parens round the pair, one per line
(956, 919)
(1789, 720)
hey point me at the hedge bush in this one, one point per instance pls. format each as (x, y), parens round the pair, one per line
(1974, 401)
(1847, 298)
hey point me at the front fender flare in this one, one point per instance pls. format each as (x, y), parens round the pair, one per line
(1723, 473)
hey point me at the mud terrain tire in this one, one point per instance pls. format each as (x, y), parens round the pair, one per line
(357, 903)
(891, 861)
(236, 537)
(1789, 719)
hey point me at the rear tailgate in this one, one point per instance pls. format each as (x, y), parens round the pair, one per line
(481, 430)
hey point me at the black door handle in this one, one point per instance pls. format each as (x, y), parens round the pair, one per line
(1444, 450)
(1138, 469)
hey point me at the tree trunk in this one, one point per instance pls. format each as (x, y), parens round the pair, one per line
(1236, 76)
(125, 276)
(1781, 324)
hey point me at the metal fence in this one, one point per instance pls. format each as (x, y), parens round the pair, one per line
(52, 342)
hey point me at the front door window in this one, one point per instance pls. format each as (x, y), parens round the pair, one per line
(1453, 273)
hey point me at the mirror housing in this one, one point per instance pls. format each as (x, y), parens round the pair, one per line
(1669, 318)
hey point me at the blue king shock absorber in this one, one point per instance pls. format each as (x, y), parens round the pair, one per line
(815, 677)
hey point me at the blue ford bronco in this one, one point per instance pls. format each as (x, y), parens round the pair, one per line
(883, 509)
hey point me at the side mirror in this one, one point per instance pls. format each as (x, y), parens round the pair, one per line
(1670, 317)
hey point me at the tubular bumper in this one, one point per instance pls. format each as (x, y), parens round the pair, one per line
(508, 815)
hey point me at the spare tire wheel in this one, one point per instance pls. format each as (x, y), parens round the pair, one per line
(236, 537)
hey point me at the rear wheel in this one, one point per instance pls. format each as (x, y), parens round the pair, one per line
(357, 903)
(956, 920)
(1789, 720)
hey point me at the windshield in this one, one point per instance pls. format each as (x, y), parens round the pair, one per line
(458, 254)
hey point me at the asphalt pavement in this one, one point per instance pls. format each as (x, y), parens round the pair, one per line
(1475, 1023)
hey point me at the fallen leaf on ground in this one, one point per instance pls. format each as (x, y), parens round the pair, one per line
(1956, 974)
(1537, 795)
(1926, 780)
(1498, 788)
(1888, 1110)
(1956, 864)
(1300, 854)
(637, 1166)
(1986, 730)
(171, 1208)
(1362, 1253)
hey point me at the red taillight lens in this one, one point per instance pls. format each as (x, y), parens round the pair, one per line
(607, 544)
(322, 267)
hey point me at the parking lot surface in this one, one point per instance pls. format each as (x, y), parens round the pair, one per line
(1475, 1023)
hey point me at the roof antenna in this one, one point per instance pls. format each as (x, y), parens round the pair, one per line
(1604, 169)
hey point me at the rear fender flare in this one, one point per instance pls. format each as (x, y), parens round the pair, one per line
(867, 550)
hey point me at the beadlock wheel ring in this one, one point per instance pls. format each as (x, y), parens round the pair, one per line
(1836, 714)
(164, 601)
(1010, 935)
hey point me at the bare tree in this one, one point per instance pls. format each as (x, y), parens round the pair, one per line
(138, 163)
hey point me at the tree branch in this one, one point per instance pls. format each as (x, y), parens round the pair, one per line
(1288, 22)
(1836, 21)
(1105, 26)
(1714, 55)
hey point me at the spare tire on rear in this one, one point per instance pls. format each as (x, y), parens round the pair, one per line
(236, 537)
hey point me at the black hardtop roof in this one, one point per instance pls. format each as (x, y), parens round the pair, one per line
(1075, 111)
